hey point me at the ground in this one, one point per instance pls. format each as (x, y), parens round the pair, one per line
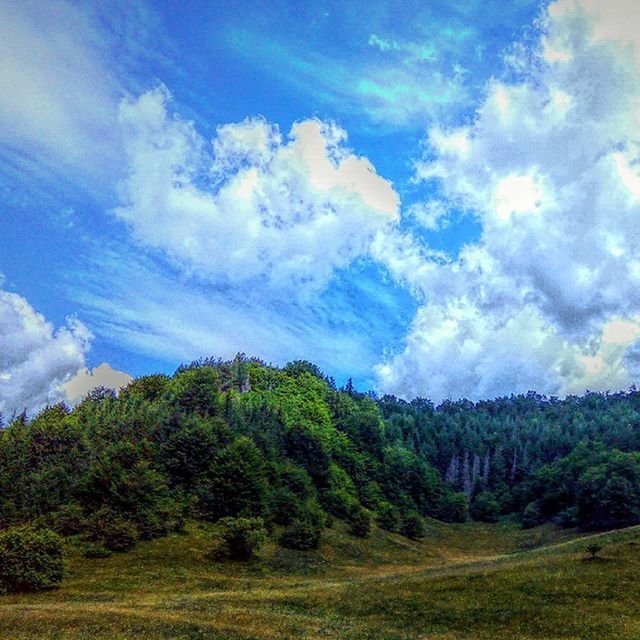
(468, 581)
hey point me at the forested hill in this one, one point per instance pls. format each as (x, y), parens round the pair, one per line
(282, 450)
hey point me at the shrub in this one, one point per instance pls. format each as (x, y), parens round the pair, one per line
(485, 507)
(531, 516)
(68, 520)
(337, 502)
(235, 483)
(152, 525)
(568, 517)
(30, 559)
(112, 531)
(240, 538)
(305, 531)
(284, 506)
(412, 526)
(593, 549)
(359, 520)
(296, 480)
(388, 516)
(453, 507)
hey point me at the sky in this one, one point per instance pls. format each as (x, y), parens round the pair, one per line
(435, 199)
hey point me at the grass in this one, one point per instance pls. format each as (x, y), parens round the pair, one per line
(462, 582)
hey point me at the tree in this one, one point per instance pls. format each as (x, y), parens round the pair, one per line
(305, 529)
(235, 482)
(388, 516)
(485, 507)
(359, 520)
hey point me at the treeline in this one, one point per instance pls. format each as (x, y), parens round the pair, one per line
(572, 461)
(280, 448)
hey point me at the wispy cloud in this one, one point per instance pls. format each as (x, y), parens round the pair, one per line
(150, 308)
(393, 71)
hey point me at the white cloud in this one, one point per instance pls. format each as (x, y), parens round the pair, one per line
(257, 205)
(551, 169)
(101, 376)
(35, 358)
(432, 215)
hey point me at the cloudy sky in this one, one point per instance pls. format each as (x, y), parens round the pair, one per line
(438, 199)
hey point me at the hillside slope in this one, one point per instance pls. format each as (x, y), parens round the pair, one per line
(463, 581)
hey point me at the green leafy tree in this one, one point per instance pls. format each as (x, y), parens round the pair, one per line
(235, 483)
(485, 507)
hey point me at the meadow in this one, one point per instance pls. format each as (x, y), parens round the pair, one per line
(471, 581)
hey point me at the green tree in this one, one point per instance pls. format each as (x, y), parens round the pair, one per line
(235, 483)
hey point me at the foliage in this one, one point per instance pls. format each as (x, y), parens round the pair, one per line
(413, 526)
(388, 516)
(453, 507)
(239, 538)
(30, 559)
(304, 531)
(234, 483)
(112, 531)
(241, 439)
(485, 507)
(359, 520)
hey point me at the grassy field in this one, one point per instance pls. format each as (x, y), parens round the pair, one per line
(462, 581)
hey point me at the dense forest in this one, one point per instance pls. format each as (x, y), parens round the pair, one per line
(281, 452)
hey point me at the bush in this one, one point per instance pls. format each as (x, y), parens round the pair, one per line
(453, 507)
(412, 526)
(68, 520)
(337, 502)
(30, 559)
(305, 531)
(111, 530)
(152, 525)
(235, 483)
(485, 507)
(240, 538)
(593, 549)
(359, 520)
(284, 506)
(531, 516)
(568, 517)
(388, 517)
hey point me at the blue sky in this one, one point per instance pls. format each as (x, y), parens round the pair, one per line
(382, 188)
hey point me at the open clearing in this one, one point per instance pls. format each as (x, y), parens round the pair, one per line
(463, 581)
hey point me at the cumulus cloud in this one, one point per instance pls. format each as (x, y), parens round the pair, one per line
(551, 168)
(254, 204)
(87, 379)
(35, 358)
